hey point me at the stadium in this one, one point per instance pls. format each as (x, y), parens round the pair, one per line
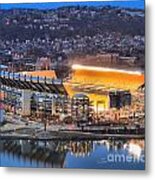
(96, 82)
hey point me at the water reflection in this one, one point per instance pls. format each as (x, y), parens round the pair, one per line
(73, 154)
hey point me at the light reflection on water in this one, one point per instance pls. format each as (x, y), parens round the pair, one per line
(105, 154)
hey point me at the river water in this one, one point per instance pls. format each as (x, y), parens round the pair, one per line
(104, 154)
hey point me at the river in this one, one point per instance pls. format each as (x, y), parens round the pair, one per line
(104, 154)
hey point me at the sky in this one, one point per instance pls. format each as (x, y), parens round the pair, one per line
(53, 5)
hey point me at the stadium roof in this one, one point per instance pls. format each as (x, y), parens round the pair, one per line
(44, 73)
(106, 77)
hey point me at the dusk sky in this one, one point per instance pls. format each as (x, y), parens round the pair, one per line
(53, 5)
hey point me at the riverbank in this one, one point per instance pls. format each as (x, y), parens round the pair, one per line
(69, 135)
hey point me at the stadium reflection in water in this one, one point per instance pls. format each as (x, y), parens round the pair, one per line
(105, 154)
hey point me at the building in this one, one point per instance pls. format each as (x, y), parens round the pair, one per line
(104, 88)
(98, 83)
(2, 111)
(99, 60)
(80, 107)
(43, 63)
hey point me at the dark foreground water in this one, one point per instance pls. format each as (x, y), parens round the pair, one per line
(105, 154)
